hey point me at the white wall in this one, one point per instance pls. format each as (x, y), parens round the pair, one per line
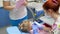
(30, 0)
(1, 3)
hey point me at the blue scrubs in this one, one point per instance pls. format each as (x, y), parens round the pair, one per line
(16, 22)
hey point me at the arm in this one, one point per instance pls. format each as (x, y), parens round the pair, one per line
(6, 5)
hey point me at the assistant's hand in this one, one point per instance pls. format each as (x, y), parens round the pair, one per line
(25, 3)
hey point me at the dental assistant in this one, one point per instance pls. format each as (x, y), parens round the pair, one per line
(18, 16)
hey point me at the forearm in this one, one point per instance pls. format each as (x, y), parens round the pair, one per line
(8, 7)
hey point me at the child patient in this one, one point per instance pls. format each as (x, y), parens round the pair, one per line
(28, 26)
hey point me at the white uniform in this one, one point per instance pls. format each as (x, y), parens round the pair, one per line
(15, 15)
(57, 29)
(59, 9)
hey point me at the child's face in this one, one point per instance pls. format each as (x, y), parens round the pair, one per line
(49, 12)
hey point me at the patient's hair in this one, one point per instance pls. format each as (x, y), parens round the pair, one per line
(51, 5)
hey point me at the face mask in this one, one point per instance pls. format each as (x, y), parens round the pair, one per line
(48, 16)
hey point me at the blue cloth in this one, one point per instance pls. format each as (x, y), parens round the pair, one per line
(16, 22)
(4, 19)
(39, 13)
(35, 29)
(14, 30)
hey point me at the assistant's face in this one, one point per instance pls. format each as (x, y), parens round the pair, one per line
(49, 12)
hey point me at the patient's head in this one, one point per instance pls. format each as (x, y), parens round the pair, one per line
(25, 26)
